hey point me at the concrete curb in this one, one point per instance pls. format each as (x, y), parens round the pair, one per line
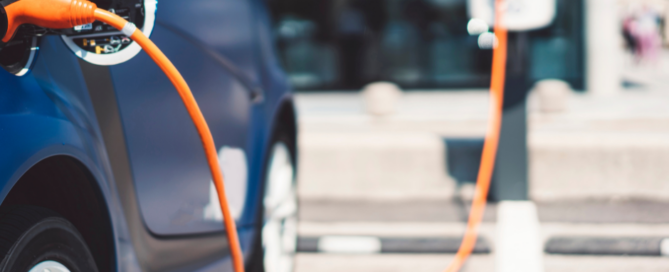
(631, 246)
(375, 245)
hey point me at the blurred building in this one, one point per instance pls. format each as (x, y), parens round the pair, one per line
(345, 44)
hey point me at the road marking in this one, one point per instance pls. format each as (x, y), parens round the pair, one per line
(385, 245)
(664, 247)
(349, 244)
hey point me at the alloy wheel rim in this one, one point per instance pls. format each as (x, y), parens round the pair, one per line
(49, 266)
(279, 231)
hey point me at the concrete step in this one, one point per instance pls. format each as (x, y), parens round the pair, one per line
(599, 148)
(599, 165)
(403, 165)
(440, 211)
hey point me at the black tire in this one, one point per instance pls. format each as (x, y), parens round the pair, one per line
(255, 263)
(30, 235)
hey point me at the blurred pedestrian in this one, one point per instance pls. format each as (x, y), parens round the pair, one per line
(644, 27)
(630, 40)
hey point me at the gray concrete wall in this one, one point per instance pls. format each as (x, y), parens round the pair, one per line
(598, 148)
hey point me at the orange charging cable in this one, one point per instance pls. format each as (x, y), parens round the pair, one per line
(194, 111)
(60, 14)
(490, 145)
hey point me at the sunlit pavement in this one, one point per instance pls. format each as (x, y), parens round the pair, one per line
(437, 263)
(386, 263)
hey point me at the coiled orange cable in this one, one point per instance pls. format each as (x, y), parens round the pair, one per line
(198, 119)
(490, 145)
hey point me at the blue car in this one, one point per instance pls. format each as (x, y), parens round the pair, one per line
(101, 168)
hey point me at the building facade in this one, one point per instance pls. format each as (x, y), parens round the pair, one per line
(418, 44)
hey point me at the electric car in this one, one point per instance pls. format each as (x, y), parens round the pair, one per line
(101, 168)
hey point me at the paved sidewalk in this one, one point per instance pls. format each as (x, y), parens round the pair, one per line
(479, 263)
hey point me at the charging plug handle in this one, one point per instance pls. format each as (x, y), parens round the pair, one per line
(55, 14)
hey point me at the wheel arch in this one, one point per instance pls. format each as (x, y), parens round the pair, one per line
(65, 185)
(285, 120)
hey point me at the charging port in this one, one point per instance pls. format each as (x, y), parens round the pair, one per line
(97, 42)
(18, 54)
(101, 44)
(100, 38)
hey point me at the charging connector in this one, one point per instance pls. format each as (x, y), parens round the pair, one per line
(23, 22)
(55, 14)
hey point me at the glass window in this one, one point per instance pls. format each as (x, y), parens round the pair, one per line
(345, 44)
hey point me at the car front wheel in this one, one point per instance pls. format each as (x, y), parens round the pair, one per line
(277, 238)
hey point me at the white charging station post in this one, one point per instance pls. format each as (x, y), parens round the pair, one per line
(518, 245)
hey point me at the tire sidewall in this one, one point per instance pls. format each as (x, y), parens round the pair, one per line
(51, 239)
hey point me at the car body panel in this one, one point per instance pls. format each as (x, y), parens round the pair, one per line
(48, 113)
(169, 167)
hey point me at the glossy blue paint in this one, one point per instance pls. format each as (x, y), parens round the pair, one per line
(224, 26)
(168, 163)
(46, 113)
(223, 48)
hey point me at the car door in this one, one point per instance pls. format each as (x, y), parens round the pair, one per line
(208, 41)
